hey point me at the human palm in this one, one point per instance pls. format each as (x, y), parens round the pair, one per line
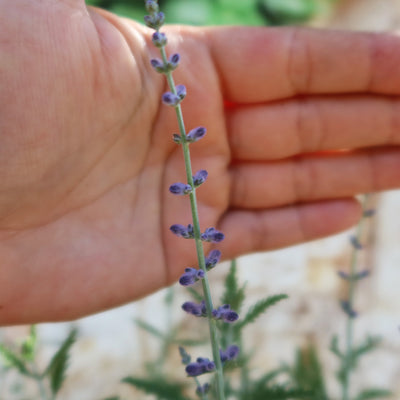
(86, 155)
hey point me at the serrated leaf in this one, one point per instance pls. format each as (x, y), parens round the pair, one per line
(164, 390)
(259, 308)
(233, 295)
(373, 393)
(59, 363)
(278, 392)
(370, 343)
(14, 360)
(307, 372)
(334, 347)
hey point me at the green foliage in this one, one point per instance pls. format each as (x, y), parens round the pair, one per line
(259, 308)
(29, 346)
(13, 360)
(161, 388)
(233, 295)
(373, 393)
(221, 12)
(307, 373)
(59, 363)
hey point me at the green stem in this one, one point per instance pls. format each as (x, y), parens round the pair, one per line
(197, 237)
(348, 359)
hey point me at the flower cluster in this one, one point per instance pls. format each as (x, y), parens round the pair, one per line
(173, 98)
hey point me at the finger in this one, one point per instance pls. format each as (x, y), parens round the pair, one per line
(305, 125)
(260, 64)
(312, 178)
(248, 231)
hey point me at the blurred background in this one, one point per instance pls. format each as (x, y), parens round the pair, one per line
(111, 345)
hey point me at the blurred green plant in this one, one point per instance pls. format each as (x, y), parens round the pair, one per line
(22, 358)
(223, 12)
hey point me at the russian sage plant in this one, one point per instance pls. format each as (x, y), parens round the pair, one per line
(205, 308)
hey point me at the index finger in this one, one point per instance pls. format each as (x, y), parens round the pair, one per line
(262, 64)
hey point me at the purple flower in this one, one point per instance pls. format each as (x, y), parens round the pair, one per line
(198, 310)
(225, 313)
(173, 61)
(212, 259)
(229, 354)
(369, 213)
(203, 389)
(155, 20)
(180, 188)
(196, 134)
(199, 177)
(159, 39)
(346, 307)
(356, 243)
(151, 6)
(191, 276)
(356, 277)
(158, 65)
(170, 99)
(181, 91)
(183, 231)
(201, 366)
(212, 235)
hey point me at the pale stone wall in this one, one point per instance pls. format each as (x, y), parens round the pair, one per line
(110, 347)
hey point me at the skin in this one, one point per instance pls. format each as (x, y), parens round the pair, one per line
(298, 122)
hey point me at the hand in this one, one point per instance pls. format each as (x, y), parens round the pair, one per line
(299, 121)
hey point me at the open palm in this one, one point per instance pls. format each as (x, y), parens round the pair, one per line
(298, 123)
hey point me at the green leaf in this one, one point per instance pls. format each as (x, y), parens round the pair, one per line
(59, 363)
(13, 360)
(277, 392)
(259, 308)
(28, 348)
(164, 390)
(150, 329)
(373, 393)
(370, 343)
(233, 295)
(334, 347)
(308, 374)
(196, 295)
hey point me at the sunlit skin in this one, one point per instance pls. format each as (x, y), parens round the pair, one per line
(298, 122)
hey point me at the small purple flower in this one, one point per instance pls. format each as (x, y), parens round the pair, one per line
(212, 259)
(369, 213)
(170, 99)
(212, 235)
(155, 20)
(225, 313)
(191, 276)
(200, 177)
(201, 366)
(196, 134)
(356, 243)
(203, 389)
(158, 65)
(198, 310)
(358, 276)
(152, 6)
(181, 91)
(173, 61)
(159, 39)
(346, 307)
(229, 354)
(183, 231)
(180, 188)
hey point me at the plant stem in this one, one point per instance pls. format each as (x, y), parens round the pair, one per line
(348, 359)
(199, 243)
